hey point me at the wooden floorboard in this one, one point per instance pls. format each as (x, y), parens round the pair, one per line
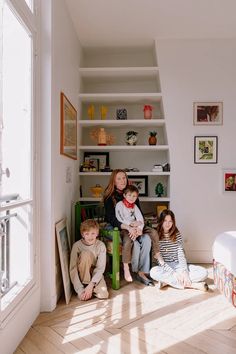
(137, 319)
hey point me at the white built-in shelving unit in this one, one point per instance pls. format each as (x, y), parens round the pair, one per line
(123, 78)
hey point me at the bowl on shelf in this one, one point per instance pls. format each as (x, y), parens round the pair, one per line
(96, 191)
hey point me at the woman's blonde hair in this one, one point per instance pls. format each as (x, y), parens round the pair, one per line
(110, 189)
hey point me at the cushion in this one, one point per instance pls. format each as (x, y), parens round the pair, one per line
(224, 250)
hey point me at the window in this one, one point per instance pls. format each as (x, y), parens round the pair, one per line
(17, 165)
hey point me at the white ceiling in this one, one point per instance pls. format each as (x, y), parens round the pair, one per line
(134, 22)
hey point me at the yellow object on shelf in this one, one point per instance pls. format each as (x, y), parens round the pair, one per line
(103, 112)
(91, 111)
(96, 191)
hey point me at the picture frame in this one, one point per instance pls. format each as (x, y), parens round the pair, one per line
(64, 249)
(205, 149)
(141, 182)
(103, 158)
(93, 163)
(68, 141)
(208, 113)
(229, 180)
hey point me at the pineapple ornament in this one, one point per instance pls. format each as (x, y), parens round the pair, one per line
(152, 138)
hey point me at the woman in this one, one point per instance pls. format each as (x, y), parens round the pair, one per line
(173, 269)
(141, 252)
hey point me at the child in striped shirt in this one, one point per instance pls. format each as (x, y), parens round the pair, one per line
(174, 270)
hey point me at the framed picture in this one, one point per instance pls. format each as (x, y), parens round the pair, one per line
(205, 149)
(229, 180)
(64, 254)
(68, 144)
(102, 157)
(208, 113)
(141, 182)
(92, 163)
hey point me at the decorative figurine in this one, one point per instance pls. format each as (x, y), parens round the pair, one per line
(166, 167)
(147, 109)
(103, 111)
(102, 137)
(121, 113)
(96, 191)
(152, 138)
(131, 137)
(91, 111)
(159, 190)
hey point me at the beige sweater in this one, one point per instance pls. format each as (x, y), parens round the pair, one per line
(99, 251)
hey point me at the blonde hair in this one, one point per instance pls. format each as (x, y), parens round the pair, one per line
(87, 225)
(109, 191)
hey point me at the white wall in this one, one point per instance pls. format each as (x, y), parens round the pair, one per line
(199, 71)
(61, 56)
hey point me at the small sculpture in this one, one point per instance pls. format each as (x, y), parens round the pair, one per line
(159, 190)
(91, 111)
(103, 111)
(152, 138)
(121, 113)
(131, 137)
(102, 137)
(147, 109)
(96, 191)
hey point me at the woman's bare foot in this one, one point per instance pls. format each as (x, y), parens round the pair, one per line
(127, 274)
(200, 286)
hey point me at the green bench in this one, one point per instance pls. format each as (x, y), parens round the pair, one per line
(111, 238)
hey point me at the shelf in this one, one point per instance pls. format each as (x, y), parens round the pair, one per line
(122, 122)
(118, 71)
(123, 147)
(117, 97)
(140, 173)
(142, 199)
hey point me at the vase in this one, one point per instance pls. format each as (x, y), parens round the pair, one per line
(152, 140)
(147, 110)
(131, 138)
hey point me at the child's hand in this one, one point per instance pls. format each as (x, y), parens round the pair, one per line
(133, 233)
(87, 293)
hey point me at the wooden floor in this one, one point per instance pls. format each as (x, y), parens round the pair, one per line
(138, 319)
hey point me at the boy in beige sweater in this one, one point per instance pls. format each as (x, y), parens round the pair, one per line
(88, 262)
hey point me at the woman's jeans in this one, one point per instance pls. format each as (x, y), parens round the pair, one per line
(196, 274)
(141, 254)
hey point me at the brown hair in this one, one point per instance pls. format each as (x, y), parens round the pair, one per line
(131, 188)
(87, 225)
(110, 189)
(173, 231)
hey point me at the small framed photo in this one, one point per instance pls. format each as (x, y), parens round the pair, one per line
(102, 157)
(141, 182)
(208, 113)
(229, 180)
(64, 254)
(205, 149)
(68, 143)
(92, 163)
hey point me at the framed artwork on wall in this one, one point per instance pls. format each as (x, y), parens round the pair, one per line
(102, 157)
(208, 113)
(141, 182)
(229, 180)
(68, 144)
(205, 149)
(64, 254)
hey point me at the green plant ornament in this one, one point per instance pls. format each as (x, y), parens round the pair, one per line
(159, 190)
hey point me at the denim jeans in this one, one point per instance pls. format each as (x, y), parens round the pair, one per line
(141, 254)
(196, 274)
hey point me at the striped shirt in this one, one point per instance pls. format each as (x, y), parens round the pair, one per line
(172, 251)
